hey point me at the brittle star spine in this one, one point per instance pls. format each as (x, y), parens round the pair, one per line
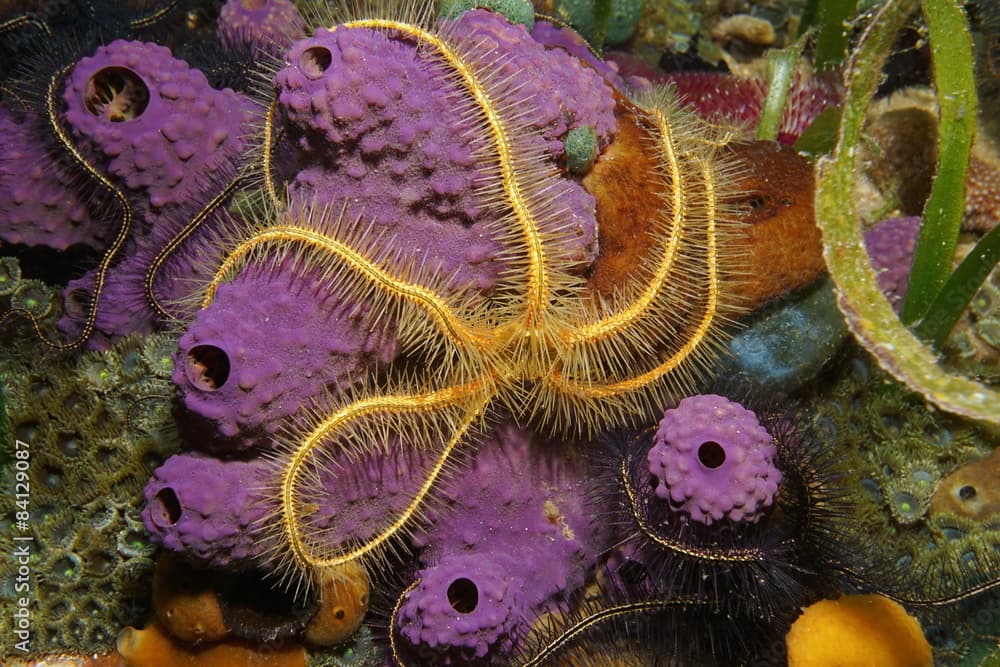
(609, 325)
(697, 337)
(568, 635)
(266, 148)
(180, 237)
(155, 16)
(26, 19)
(744, 555)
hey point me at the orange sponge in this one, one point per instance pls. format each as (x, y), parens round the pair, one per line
(154, 647)
(857, 631)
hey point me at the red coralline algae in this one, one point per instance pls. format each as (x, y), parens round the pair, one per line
(740, 100)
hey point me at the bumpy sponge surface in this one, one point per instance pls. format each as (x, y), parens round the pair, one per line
(713, 460)
(207, 508)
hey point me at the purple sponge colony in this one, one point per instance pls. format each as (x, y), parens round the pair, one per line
(172, 142)
(39, 204)
(464, 610)
(509, 537)
(382, 124)
(271, 342)
(208, 509)
(554, 36)
(270, 24)
(713, 460)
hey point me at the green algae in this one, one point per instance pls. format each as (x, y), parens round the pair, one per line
(781, 64)
(869, 315)
(951, 50)
(581, 149)
(516, 11)
(600, 22)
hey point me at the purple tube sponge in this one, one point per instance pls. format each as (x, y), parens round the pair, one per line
(208, 509)
(517, 502)
(462, 609)
(890, 245)
(157, 123)
(172, 142)
(567, 39)
(270, 24)
(272, 341)
(219, 513)
(713, 460)
(384, 126)
(39, 203)
(360, 492)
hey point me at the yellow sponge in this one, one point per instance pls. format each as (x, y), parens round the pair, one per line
(857, 631)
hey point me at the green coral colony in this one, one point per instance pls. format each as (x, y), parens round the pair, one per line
(97, 425)
(921, 484)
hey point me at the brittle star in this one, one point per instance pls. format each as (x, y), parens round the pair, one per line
(547, 347)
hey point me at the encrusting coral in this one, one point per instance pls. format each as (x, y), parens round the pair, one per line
(96, 427)
(895, 452)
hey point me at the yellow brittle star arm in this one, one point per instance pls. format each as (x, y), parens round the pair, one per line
(591, 390)
(538, 279)
(607, 326)
(471, 394)
(451, 325)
